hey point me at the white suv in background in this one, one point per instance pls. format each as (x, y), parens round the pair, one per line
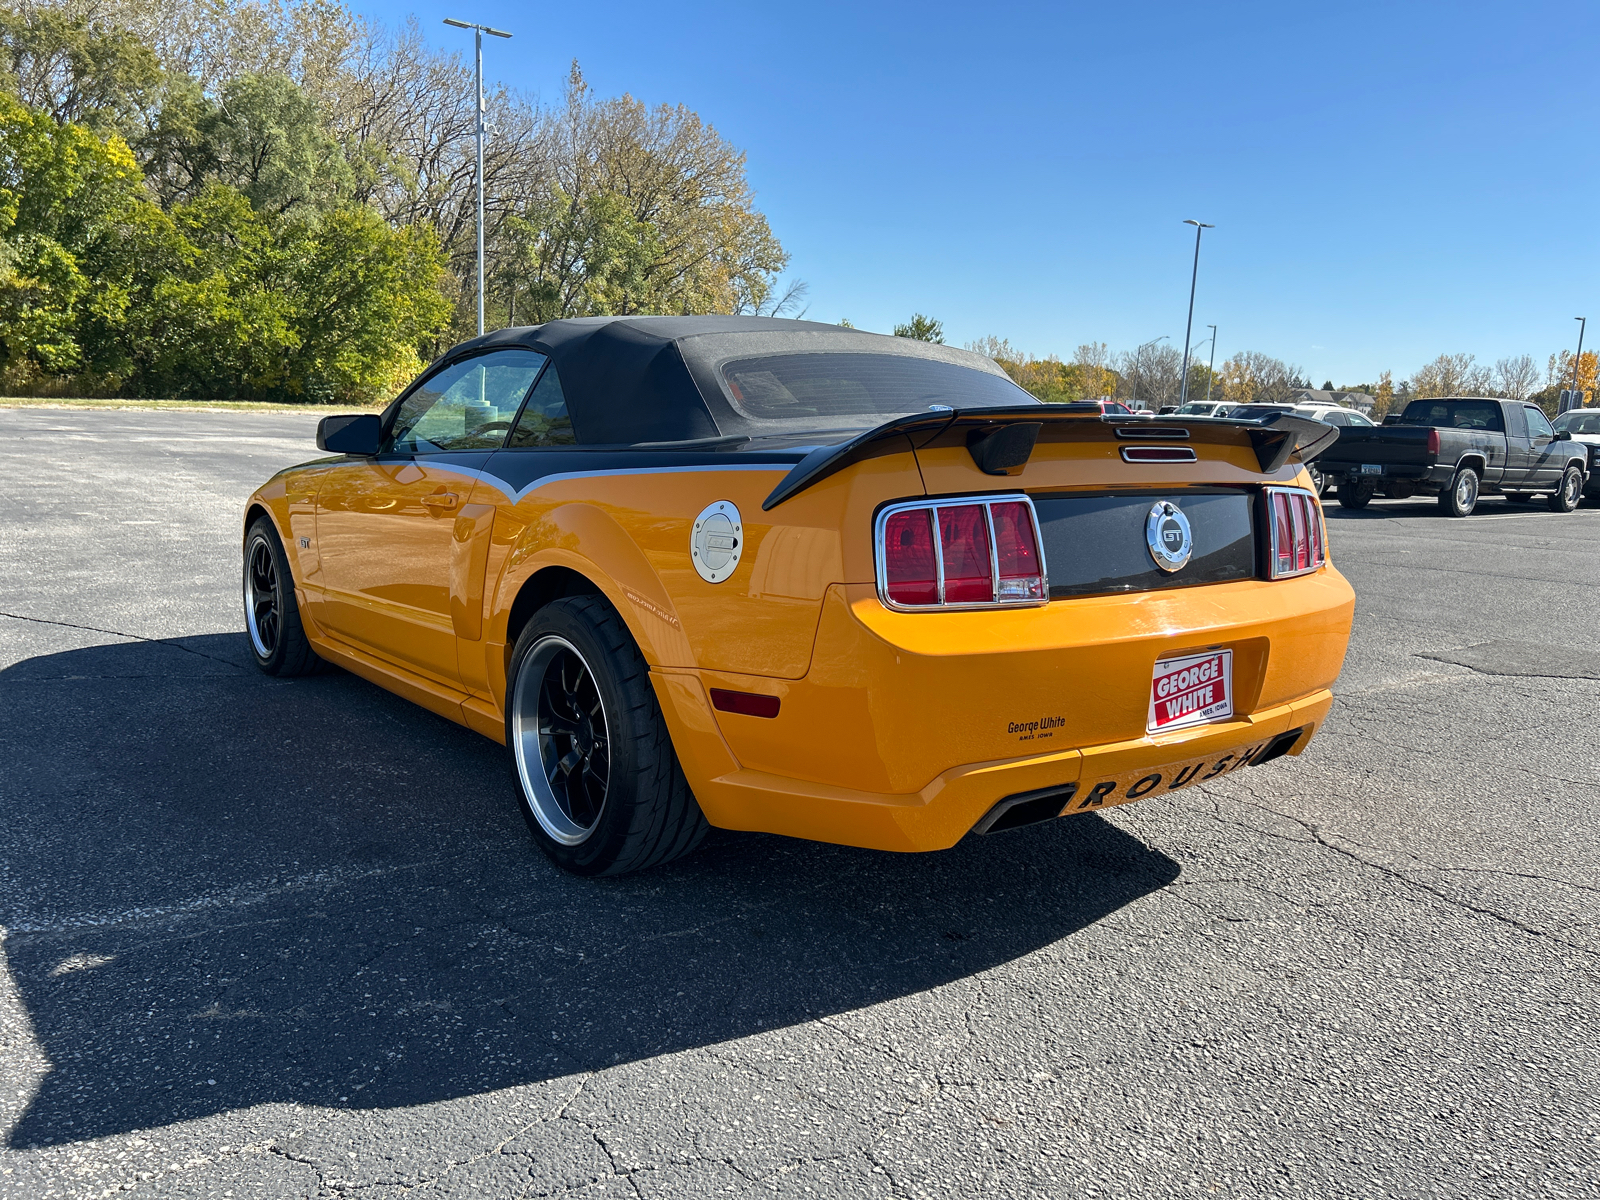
(1333, 414)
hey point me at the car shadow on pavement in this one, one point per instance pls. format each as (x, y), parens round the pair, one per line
(221, 890)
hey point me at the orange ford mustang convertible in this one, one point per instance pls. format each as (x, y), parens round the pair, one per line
(784, 576)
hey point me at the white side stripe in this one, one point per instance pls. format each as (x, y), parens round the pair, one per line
(516, 495)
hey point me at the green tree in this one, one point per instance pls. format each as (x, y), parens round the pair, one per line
(63, 193)
(78, 71)
(575, 257)
(327, 309)
(263, 137)
(921, 329)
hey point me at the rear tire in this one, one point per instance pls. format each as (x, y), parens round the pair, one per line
(1355, 495)
(1569, 495)
(272, 624)
(1461, 497)
(600, 785)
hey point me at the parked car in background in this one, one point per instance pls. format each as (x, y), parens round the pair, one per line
(1459, 448)
(1200, 408)
(1254, 412)
(1583, 424)
(1330, 414)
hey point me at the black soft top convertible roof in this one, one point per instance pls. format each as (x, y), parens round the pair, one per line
(655, 379)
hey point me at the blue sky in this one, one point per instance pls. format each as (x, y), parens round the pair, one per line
(1389, 181)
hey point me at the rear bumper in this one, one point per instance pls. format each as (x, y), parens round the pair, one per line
(1437, 475)
(909, 728)
(940, 814)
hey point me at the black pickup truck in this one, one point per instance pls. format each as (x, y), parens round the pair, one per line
(1458, 448)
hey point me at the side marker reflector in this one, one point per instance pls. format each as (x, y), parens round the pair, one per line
(750, 704)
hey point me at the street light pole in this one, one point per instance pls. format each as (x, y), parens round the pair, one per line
(1138, 368)
(1183, 386)
(477, 41)
(1573, 399)
(1211, 367)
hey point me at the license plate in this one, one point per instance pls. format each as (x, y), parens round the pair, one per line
(1191, 690)
(1372, 468)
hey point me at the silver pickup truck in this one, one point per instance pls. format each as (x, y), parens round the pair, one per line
(1458, 448)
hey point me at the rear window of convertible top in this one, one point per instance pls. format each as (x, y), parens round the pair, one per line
(839, 390)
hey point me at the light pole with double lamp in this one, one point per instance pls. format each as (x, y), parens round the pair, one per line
(1211, 367)
(1183, 386)
(1574, 400)
(477, 39)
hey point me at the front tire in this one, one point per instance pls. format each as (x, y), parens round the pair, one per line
(1355, 495)
(600, 784)
(1569, 495)
(277, 638)
(1461, 497)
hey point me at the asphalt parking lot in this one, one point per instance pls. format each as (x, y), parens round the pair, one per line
(290, 938)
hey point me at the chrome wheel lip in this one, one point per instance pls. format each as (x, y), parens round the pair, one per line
(254, 597)
(1466, 490)
(532, 748)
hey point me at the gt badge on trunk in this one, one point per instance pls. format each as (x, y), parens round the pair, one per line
(1166, 531)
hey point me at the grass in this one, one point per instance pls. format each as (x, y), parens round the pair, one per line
(173, 405)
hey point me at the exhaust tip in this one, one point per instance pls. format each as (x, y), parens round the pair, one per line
(1279, 746)
(1027, 808)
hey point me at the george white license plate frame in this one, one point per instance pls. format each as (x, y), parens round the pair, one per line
(1184, 691)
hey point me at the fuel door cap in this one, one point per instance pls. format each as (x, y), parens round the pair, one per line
(717, 541)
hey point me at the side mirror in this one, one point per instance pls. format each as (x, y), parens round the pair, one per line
(1563, 435)
(358, 434)
(1391, 419)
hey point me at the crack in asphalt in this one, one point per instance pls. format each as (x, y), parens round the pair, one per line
(1317, 837)
(132, 637)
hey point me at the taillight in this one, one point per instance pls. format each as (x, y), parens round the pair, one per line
(964, 547)
(1433, 441)
(1299, 543)
(961, 554)
(905, 555)
(1021, 571)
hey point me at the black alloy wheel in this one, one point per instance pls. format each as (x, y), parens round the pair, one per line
(271, 615)
(571, 745)
(261, 598)
(1569, 495)
(599, 782)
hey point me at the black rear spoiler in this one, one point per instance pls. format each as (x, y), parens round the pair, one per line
(1001, 439)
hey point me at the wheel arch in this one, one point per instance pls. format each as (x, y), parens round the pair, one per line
(539, 589)
(254, 511)
(1474, 459)
(577, 549)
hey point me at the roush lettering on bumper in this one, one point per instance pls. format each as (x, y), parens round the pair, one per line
(1030, 808)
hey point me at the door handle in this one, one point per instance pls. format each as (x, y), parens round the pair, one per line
(440, 500)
